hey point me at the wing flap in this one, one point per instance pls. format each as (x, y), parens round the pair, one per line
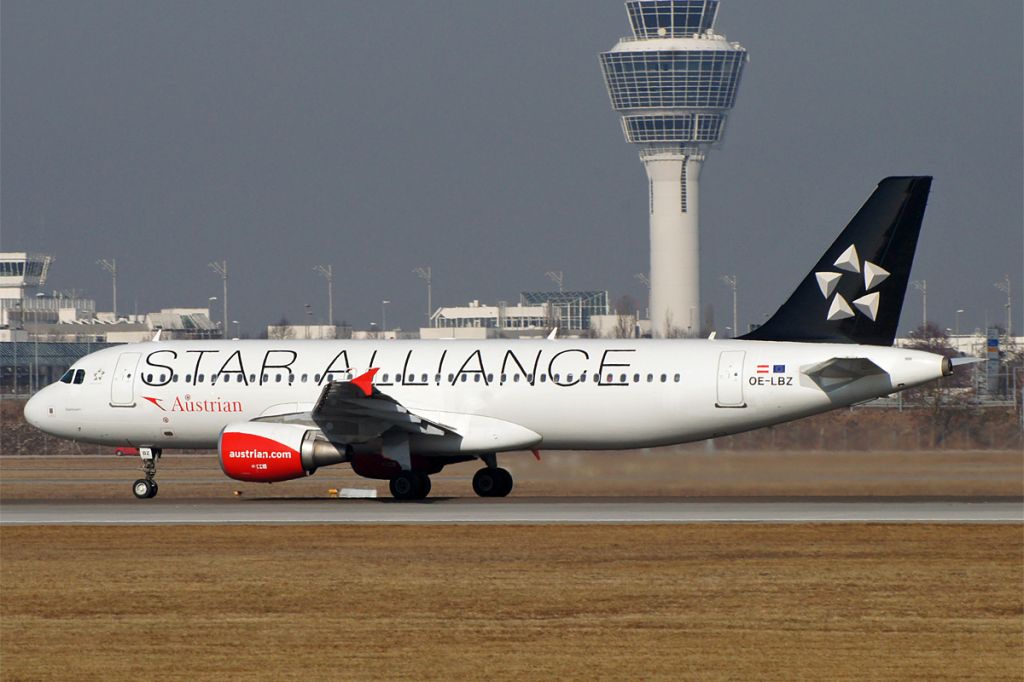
(346, 412)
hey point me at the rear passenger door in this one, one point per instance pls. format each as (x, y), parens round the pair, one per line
(730, 379)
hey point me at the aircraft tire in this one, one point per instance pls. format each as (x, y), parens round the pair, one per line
(407, 486)
(505, 483)
(144, 488)
(424, 484)
(483, 482)
(492, 482)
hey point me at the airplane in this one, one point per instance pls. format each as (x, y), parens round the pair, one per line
(403, 410)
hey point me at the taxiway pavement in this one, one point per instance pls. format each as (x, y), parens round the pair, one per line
(515, 511)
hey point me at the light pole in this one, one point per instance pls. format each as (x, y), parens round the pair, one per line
(328, 272)
(35, 340)
(922, 286)
(558, 277)
(1004, 286)
(19, 305)
(35, 351)
(730, 281)
(425, 274)
(221, 268)
(957, 325)
(111, 267)
(384, 316)
(646, 281)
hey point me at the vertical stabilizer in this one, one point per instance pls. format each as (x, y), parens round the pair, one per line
(855, 292)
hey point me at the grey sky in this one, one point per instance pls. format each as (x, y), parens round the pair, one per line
(476, 137)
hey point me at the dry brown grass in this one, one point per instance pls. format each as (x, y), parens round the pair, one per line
(509, 602)
(664, 471)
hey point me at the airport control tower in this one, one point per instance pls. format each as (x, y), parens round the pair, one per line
(674, 82)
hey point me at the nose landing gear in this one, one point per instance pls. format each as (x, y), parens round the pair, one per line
(146, 488)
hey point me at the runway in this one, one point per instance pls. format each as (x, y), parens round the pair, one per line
(515, 511)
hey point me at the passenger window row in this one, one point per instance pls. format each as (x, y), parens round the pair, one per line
(386, 378)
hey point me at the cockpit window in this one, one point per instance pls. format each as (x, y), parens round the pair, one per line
(68, 376)
(79, 376)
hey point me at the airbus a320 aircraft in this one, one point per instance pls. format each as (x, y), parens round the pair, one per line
(402, 411)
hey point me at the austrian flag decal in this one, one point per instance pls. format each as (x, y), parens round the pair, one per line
(770, 374)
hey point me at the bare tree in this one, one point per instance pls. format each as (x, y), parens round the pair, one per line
(946, 398)
(280, 331)
(626, 305)
(624, 326)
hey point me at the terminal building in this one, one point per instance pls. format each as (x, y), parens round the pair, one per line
(574, 308)
(43, 333)
(572, 313)
(479, 321)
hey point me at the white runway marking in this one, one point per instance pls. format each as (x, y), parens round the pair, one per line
(511, 511)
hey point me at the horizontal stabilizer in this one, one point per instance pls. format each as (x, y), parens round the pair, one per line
(845, 368)
(837, 372)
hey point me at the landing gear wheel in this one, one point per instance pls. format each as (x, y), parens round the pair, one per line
(409, 485)
(424, 484)
(156, 488)
(505, 483)
(144, 488)
(492, 482)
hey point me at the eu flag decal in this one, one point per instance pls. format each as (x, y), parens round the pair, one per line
(778, 369)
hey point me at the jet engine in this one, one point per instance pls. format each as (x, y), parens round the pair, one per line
(265, 452)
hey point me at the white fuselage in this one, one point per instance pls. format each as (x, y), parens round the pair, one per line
(574, 394)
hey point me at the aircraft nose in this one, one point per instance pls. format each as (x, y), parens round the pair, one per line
(35, 409)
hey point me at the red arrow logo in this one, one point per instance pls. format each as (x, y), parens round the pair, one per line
(155, 401)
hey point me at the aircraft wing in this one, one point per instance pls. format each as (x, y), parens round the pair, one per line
(355, 411)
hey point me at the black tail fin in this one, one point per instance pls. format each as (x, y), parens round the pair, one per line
(855, 292)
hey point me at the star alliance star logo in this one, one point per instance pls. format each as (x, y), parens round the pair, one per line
(867, 305)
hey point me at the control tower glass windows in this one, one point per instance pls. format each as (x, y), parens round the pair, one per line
(705, 128)
(666, 78)
(22, 268)
(12, 268)
(671, 18)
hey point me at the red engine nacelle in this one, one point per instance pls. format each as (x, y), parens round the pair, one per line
(268, 452)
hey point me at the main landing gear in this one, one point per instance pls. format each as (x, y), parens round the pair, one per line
(410, 485)
(145, 488)
(492, 481)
